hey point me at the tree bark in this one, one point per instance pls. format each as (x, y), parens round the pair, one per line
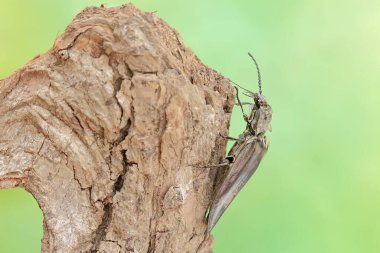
(107, 131)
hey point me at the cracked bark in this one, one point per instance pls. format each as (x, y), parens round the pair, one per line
(105, 130)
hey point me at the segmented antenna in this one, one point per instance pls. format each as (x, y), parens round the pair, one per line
(241, 87)
(258, 72)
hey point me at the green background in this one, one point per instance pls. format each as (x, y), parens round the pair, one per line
(317, 190)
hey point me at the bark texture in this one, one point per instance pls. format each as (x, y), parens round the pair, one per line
(105, 130)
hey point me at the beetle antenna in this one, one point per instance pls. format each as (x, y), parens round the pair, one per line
(258, 72)
(240, 86)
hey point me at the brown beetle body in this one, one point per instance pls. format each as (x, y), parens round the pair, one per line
(244, 156)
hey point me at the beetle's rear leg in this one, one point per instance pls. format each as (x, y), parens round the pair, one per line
(227, 161)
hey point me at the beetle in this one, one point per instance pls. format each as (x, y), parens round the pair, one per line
(246, 154)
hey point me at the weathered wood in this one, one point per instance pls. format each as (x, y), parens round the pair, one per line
(104, 130)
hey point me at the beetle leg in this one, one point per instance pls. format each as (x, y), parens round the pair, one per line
(231, 138)
(225, 162)
(241, 105)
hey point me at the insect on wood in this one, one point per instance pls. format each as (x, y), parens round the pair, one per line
(246, 153)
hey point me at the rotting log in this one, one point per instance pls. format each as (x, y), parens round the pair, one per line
(106, 131)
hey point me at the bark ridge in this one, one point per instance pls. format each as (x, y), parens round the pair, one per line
(105, 129)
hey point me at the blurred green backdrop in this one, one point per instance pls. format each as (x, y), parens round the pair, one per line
(318, 188)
